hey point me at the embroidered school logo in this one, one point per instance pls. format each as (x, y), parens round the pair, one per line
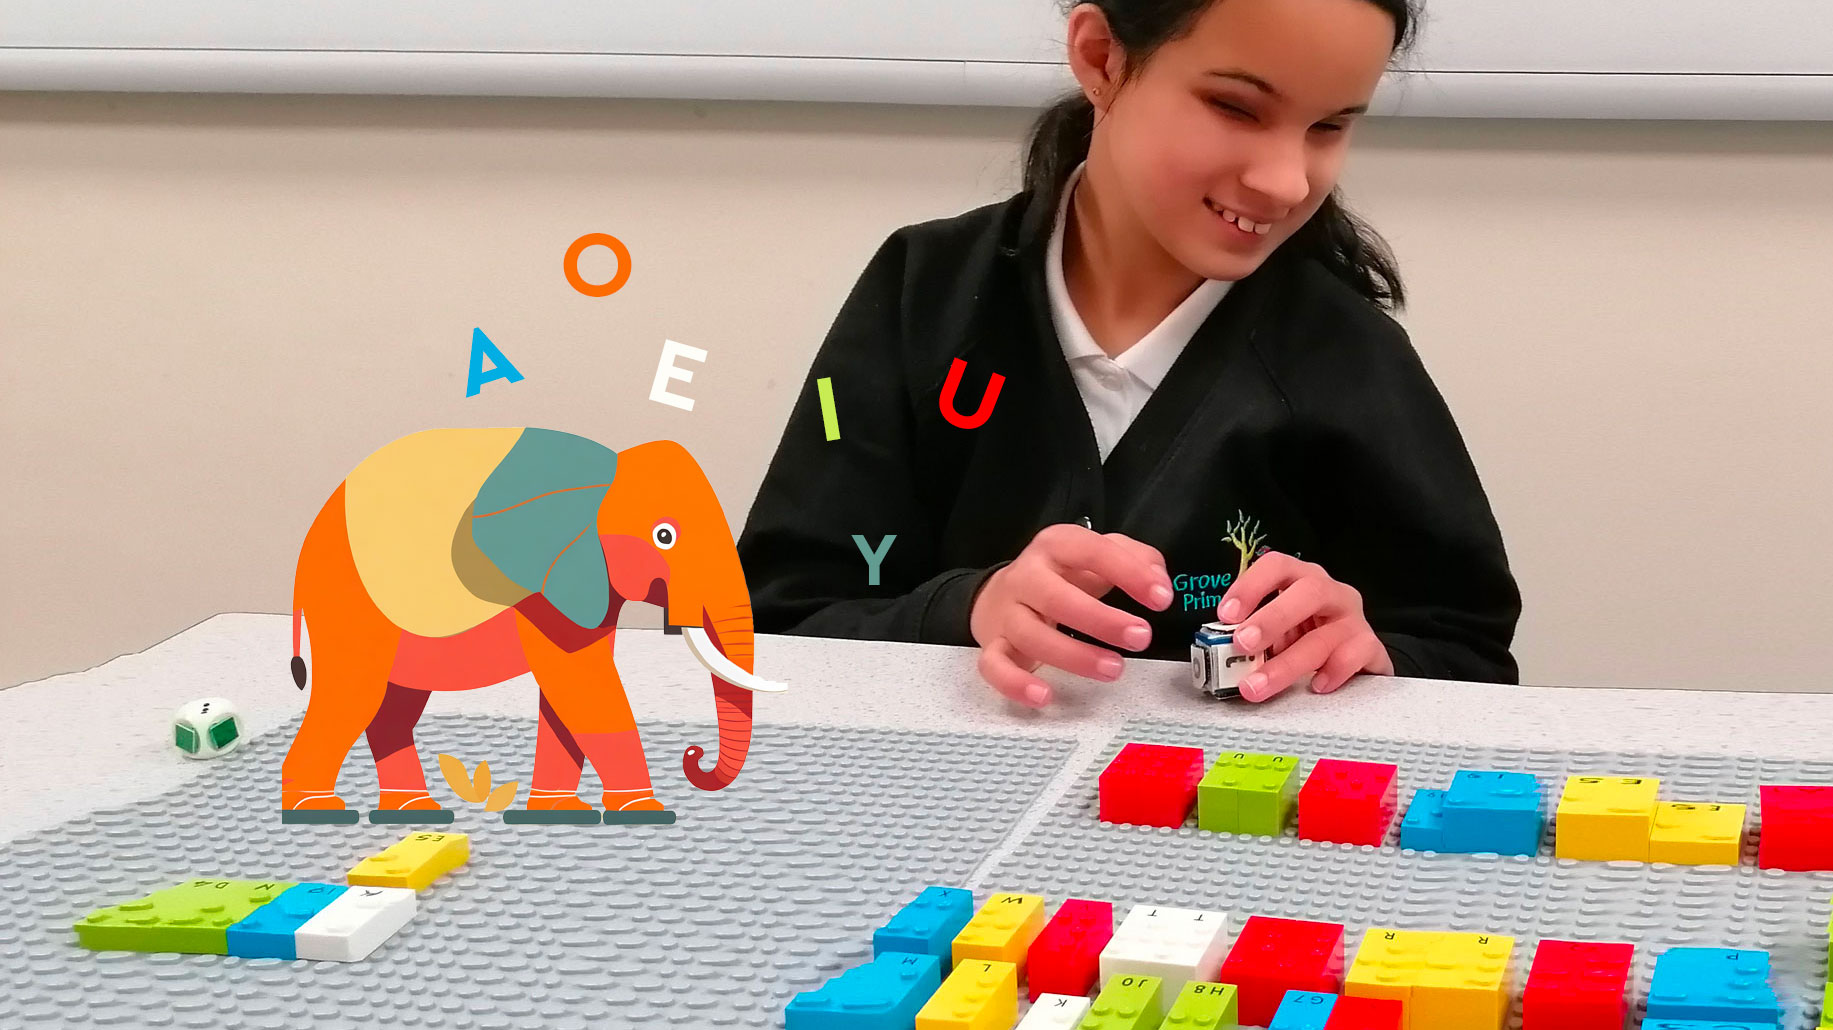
(1194, 590)
(1247, 538)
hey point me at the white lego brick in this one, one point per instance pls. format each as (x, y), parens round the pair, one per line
(357, 923)
(1055, 1012)
(1177, 945)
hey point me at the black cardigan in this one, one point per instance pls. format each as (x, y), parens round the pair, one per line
(1299, 408)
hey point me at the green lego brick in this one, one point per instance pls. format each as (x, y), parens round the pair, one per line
(1826, 1007)
(1204, 1006)
(193, 917)
(1126, 1003)
(1248, 793)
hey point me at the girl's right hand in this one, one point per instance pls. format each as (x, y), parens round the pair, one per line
(1056, 581)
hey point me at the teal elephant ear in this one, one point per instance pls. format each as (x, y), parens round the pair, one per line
(536, 519)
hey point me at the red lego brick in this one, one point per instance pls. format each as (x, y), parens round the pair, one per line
(1273, 956)
(1151, 785)
(1365, 1014)
(1796, 832)
(1065, 957)
(1348, 802)
(1577, 986)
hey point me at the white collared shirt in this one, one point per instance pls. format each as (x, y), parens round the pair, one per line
(1114, 389)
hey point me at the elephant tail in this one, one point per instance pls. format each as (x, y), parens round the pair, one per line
(298, 662)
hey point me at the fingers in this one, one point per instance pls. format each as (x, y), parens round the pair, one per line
(1308, 654)
(1344, 663)
(1048, 599)
(1308, 598)
(1274, 570)
(1031, 634)
(1001, 666)
(1120, 562)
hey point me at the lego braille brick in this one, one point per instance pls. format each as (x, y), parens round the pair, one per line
(1493, 812)
(1423, 827)
(1066, 956)
(192, 917)
(978, 995)
(1002, 930)
(413, 862)
(1723, 984)
(1576, 985)
(1797, 828)
(884, 994)
(269, 931)
(1248, 793)
(1273, 957)
(928, 925)
(1175, 945)
(1055, 1012)
(1697, 834)
(1204, 1006)
(1128, 1002)
(1702, 1024)
(721, 918)
(1151, 784)
(1346, 802)
(355, 923)
(1606, 818)
(1388, 963)
(1826, 1006)
(1465, 983)
(1303, 1010)
(1375, 1014)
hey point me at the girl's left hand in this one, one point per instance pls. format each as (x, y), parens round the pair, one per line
(1314, 625)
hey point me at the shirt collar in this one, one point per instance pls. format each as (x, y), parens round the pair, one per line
(1151, 357)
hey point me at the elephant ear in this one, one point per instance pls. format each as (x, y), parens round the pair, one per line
(536, 519)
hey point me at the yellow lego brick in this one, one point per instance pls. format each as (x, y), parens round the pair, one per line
(1697, 834)
(1002, 931)
(979, 995)
(1388, 964)
(414, 861)
(1605, 818)
(1465, 983)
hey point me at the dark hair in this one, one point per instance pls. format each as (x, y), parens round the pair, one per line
(1336, 238)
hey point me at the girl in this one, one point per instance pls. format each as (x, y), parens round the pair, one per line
(1155, 388)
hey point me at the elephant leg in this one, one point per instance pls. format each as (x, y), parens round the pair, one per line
(582, 690)
(558, 759)
(391, 743)
(353, 648)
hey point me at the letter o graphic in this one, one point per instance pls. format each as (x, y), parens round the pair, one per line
(597, 239)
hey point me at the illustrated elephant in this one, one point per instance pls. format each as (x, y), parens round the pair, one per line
(457, 558)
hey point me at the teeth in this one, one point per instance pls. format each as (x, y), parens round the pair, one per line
(1246, 224)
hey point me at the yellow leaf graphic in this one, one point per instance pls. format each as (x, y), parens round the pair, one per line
(482, 787)
(458, 779)
(502, 797)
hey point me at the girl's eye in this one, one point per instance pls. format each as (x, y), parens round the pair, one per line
(1225, 106)
(1329, 127)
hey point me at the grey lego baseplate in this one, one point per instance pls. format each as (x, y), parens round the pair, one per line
(767, 888)
(1071, 853)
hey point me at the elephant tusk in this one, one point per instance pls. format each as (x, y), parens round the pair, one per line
(719, 665)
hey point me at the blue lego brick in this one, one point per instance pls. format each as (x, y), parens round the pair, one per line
(1498, 812)
(1713, 985)
(1423, 829)
(884, 994)
(1305, 1010)
(928, 925)
(268, 931)
(1702, 1024)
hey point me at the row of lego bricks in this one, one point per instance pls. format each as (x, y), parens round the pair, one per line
(1434, 980)
(282, 919)
(1599, 818)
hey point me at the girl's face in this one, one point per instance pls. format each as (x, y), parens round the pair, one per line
(1231, 136)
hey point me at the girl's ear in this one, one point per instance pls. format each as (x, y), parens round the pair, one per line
(536, 519)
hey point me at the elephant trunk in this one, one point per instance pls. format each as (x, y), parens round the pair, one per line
(724, 647)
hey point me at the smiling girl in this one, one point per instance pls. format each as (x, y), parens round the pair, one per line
(1199, 377)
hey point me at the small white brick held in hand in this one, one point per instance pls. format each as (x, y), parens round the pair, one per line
(1177, 945)
(357, 923)
(1055, 1012)
(666, 370)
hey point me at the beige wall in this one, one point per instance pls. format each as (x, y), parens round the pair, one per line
(212, 307)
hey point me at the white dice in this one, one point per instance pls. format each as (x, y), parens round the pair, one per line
(1055, 1012)
(355, 924)
(1177, 945)
(206, 728)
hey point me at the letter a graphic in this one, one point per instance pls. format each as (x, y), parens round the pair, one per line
(987, 400)
(500, 365)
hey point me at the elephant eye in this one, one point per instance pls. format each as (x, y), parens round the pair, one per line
(663, 535)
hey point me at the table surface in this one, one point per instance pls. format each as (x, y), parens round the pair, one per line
(118, 749)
